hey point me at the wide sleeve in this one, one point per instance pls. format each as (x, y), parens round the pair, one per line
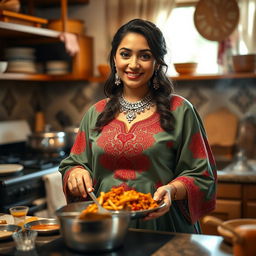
(195, 165)
(80, 154)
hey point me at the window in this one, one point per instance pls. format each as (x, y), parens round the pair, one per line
(185, 44)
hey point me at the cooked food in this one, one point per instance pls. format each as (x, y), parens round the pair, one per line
(45, 226)
(5, 233)
(3, 222)
(118, 199)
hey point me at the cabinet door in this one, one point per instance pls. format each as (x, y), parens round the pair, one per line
(249, 208)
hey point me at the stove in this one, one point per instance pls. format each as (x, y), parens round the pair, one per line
(26, 186)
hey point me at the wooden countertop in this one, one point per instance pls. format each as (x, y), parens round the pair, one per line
(237, 177)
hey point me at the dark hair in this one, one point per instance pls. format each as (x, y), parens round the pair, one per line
(161, 96)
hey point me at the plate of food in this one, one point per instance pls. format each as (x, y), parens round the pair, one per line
(137, 204)
(6, 231)
(44, 226)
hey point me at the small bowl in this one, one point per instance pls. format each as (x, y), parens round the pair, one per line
(44, 226)
(227, 235)
(244, 63)
(6, 231)
(185, 68)
(3, 66)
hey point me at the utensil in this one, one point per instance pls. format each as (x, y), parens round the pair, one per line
(234, 223)
(97, 235)
(219, 222)
(100, 208)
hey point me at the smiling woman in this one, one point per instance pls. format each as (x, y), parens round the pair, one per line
(143, 138)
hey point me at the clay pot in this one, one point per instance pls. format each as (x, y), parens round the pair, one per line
(244, 63)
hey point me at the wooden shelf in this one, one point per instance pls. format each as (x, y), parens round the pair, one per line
(14, 31)
(50, 3)
(214, 76)
(40, 77)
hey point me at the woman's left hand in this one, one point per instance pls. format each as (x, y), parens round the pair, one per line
(163, 193)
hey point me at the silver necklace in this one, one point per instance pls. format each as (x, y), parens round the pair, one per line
(132, 109)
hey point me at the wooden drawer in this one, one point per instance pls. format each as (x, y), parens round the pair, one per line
(250, 192)
(229, 191)
(228, 209)
(250, 210)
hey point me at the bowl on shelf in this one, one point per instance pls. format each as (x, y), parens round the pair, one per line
(185, 68)
(244, 63)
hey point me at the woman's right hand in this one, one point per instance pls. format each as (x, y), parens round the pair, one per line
(79, 182)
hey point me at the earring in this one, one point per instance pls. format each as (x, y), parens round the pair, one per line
(155, 81)
(117, 80)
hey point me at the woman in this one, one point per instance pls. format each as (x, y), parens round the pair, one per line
(144, 137)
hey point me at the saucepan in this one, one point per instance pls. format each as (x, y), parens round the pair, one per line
(48, 142)
(92, 235)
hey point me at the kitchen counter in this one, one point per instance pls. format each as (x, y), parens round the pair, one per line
(237, 177)
(137, 243)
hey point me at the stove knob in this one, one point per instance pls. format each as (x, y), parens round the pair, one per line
(27, 189)
(21, 190)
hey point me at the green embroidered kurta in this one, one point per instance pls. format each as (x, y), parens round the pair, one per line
(146, 157)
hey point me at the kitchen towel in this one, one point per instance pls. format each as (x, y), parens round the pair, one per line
(55, 197)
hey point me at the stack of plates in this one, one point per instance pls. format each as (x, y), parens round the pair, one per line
(20, 60)
(57, 67)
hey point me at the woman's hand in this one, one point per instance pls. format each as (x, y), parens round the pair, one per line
(79, 182)
(163, 193)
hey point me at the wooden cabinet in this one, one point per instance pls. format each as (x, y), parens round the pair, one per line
(233, 201)
(81, 65)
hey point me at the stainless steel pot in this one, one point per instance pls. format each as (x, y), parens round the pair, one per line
(91, 235)
(48, 142)
(71, 133)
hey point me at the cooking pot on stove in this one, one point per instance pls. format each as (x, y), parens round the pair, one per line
(48, 142)
(71, 132)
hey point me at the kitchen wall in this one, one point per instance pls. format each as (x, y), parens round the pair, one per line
(18, 100)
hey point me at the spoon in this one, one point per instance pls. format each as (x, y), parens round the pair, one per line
(219, 222)
(100, 208)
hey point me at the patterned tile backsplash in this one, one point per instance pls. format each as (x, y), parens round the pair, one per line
(70, 100)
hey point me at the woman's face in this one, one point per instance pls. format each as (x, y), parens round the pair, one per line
(134, 61)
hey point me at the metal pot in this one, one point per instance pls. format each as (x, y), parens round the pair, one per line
(98, 235)
(71, 133)
(48, 142)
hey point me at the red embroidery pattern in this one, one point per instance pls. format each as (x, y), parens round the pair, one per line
(99, 106)
(124, 151)
(198, 205)
(197, 146)
(80, 144)
(176, 101)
